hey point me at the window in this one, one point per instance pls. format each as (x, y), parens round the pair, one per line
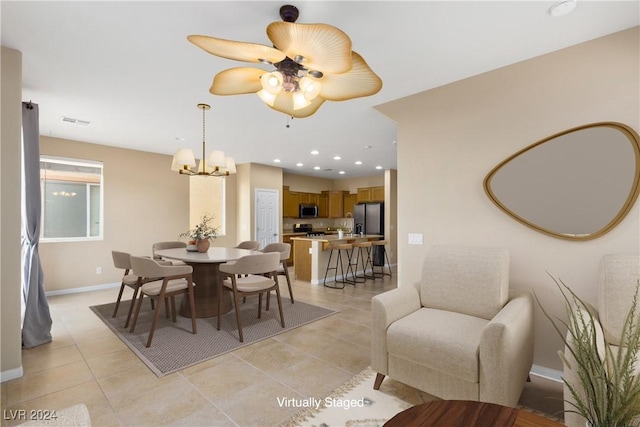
(207, 196)
(72, 199)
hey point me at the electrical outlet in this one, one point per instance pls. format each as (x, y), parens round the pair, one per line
(416, 238)
(310, 251)
(98, 270)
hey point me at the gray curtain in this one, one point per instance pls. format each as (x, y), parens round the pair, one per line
(36, 318)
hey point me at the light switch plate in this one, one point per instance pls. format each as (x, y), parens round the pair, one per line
(415, 238)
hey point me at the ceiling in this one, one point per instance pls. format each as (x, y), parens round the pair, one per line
(128, 68)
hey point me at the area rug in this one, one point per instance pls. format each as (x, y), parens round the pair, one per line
(174, 347)
(354, 404)
(357, 404)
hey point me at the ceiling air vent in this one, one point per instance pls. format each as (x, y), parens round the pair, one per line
(76, 121)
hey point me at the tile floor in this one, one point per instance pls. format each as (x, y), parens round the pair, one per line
(86, 363)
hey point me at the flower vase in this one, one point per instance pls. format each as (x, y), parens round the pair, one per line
(203, 245)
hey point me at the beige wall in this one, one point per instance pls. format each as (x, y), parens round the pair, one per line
(312, 184)
(253, 176)
(450, 137)
(391, 214)
(306, 184)
(144, 202)
(352, 184)
(10, 223)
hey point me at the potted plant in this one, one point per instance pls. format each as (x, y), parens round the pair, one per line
(606, 388)
(201, 234)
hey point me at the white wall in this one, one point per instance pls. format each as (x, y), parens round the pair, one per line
(450, 137)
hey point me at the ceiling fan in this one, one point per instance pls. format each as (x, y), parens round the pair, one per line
(313, 63)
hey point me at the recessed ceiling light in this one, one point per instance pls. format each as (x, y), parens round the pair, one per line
(358, 162)
(299, 165)
(341, 172)
(317, 168)
(276, 160)
(368, 147)
(315, 152)
(378, 167)
(336, 157)
(562, 8)
(180, 138)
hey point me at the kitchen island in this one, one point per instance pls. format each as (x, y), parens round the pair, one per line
(311, 256)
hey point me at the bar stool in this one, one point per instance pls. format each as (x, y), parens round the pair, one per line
(381, 246)
(363, 248)
(341, 248)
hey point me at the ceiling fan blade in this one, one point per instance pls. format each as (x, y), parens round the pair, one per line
(358, 82)
(284, 103)
(237, 81)
(239, 51)
(324, 47)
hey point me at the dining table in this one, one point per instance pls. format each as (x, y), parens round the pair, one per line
(206, 268)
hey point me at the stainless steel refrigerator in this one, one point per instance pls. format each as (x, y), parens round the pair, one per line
(369, 219)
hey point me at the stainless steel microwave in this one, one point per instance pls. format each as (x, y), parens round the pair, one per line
(308, 210)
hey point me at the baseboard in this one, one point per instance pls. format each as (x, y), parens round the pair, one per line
(82, 289)
(548, 373)
(11, 374)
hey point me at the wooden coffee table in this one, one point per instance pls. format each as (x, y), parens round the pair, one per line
(465, 413)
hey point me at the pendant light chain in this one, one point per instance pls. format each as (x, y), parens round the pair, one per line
(204, 159)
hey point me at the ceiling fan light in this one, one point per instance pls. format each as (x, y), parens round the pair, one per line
(183, 159)
(267, 98)
(310, 88)
(217, 159)
(272, 82)
(300, 101)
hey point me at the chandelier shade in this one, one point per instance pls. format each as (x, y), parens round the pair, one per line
(217, 164)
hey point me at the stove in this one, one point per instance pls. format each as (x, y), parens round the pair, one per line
(315, 233)
(302, 228)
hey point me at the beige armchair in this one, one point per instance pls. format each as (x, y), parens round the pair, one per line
(618, 277)
(457, 334)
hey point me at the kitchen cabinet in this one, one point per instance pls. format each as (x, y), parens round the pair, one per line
(364, 195)
(323, 205)
(377, 194)
(370, 194)
(305, 198)
(350, 199)
(302, 259)
(287, 239)
(336, 204)
(291, 202)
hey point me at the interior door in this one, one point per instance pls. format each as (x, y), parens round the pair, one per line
(267, 216)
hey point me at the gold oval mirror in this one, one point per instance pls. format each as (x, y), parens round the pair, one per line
(576, 185)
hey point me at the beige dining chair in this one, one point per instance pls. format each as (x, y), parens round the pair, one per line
(122, 260)
(173, 280)
(167, 245)
(284, 249)
(251, 245)
(250, 275)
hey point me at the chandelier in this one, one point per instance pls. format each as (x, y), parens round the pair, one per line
(216, 165)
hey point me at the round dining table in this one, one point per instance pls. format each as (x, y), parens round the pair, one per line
(206, 267)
